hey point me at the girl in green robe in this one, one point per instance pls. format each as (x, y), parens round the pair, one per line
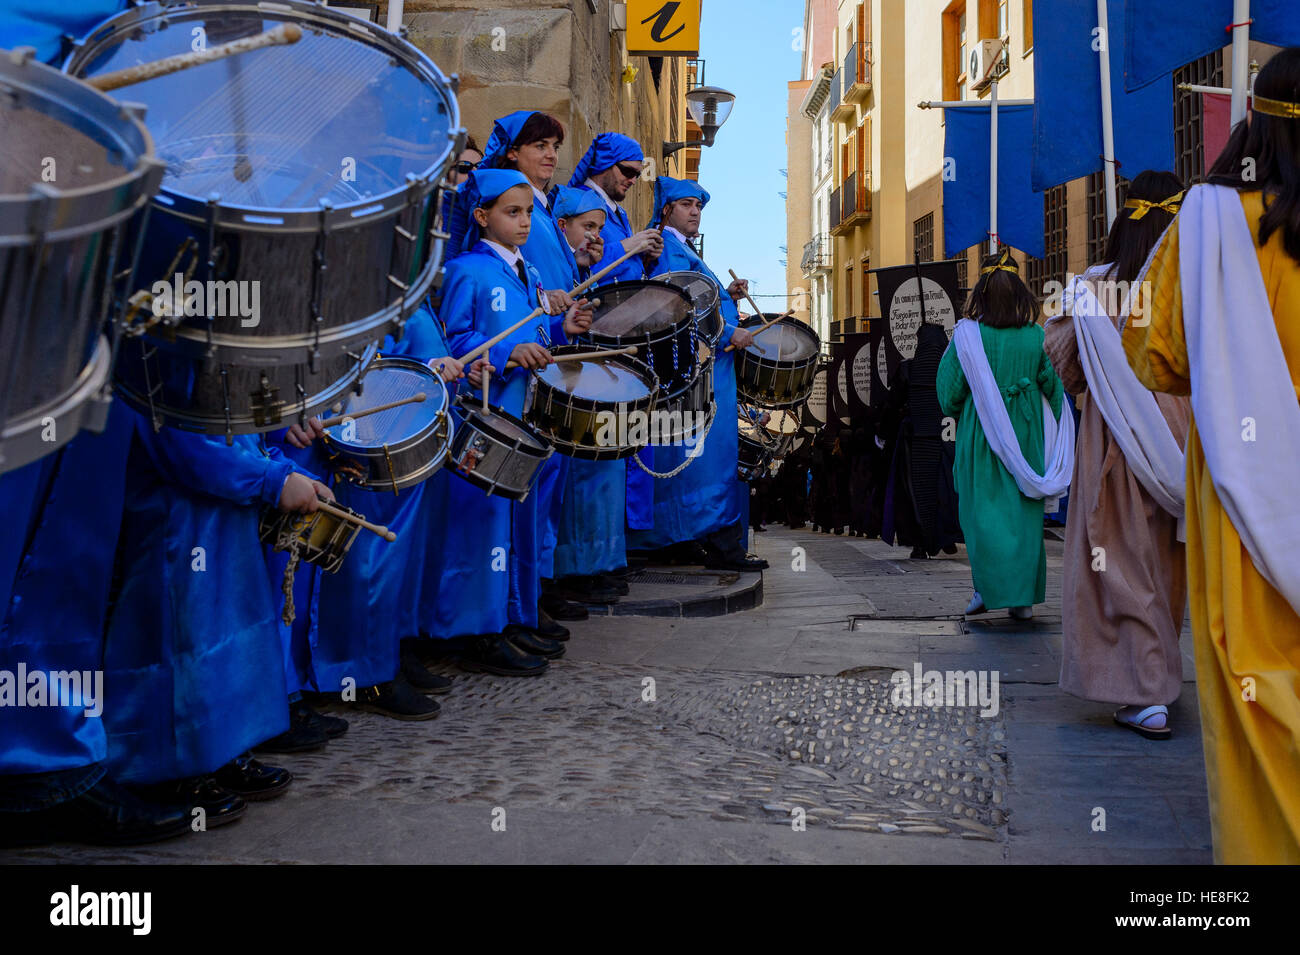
(1003, 528)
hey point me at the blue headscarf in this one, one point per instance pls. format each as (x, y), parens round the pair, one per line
(504, 133)
(669, 190)
(567, 202)
(483, 185)
(606, 150)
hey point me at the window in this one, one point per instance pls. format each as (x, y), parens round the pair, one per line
(963, 275)
(961, 57)
(1004, 18)
(954, 50)
(1028, 25)
(923, 237)
(1189, 118)
(866, 295)
(1052, 267)
(1097, 231)
(848, 290)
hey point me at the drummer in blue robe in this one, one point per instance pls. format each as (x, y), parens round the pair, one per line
(529, 142)
(193, 668)
(612, 164)
(355, 631)
(488, 288)
(706, 502)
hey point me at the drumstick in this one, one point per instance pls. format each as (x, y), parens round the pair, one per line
(748, 297)
(763, 327)
(379, 529)
(585, 355)
(487, 377)
(352, 416)
(282, 35)
(577, 290)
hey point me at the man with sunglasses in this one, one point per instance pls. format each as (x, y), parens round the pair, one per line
(611, 165)
(470, 157)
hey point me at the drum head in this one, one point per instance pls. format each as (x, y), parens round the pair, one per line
(597, 379)
(632, 309)
(704, 299)
(495, 420)
(783, 423)
(386, 381)
(344, 114)
(787, 340)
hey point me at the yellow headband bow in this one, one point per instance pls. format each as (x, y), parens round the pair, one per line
(1004, 264)
(1275, 107)
(1141, 207)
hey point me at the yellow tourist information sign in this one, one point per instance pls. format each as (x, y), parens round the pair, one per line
(663, 27)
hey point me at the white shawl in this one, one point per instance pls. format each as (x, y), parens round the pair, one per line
(1129, 410)
(1243, 401)
(1058, 437)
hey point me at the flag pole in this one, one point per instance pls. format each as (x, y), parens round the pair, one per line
(1240, 58)
(993, 167)
(1107, 115)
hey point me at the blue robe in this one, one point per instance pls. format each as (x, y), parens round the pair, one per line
(193, 668)
(486, 572)
(61, 520)
(706, 496)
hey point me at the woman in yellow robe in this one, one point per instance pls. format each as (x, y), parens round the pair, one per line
(1247, 636)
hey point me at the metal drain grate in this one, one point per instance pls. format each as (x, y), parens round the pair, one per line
(697, 580)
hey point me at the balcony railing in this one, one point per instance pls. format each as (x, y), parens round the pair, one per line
(857, 73)
(694, 74)
(839, 109)
(816, 254)
(834, 209)
(856, 201)
(833, 98)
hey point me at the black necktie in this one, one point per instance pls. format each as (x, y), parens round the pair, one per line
(523, 272)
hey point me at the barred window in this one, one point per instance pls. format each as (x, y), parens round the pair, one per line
(1189, 117)
(923, 237)
(1097, 230)
(1052, 267)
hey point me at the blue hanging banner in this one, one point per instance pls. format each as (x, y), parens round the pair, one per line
(1161, 36)
(1067, 97)
(43, 25)
(966, 180)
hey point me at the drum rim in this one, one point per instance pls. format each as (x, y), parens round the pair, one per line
(714, 313)
(617, 341)
(781, 364)
(629, 361)
(86, 209)
(473, 409)
(298, 11)
(378, 363)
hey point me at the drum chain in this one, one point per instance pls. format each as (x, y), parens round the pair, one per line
(286, 588)
(636, 456)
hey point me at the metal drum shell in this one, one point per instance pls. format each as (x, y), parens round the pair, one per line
(60, 249)
(751, 458)
(195, 393)
(650, 343)
(568, 420)
(253, 242)
(502, 456)
(698, 397)
(408, 461)
(772, 383)
(319, 538)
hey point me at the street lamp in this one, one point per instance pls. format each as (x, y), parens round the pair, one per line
(709, 106)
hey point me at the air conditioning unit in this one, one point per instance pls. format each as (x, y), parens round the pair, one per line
(985, 59)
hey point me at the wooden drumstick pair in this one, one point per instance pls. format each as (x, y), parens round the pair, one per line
(354, 415)
(283, 35)
(762, 328)
(586, 355)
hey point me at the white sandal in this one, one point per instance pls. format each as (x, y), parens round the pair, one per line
(1137, 721)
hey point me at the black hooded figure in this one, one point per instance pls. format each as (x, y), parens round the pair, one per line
(921, 503)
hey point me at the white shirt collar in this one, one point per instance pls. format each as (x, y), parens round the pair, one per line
(512, 259)
(681, 238)
(591, 184)
(541, 197)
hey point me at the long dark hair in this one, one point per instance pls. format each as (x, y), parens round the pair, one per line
(1131, 239)
(1270, 147)
(1000, 299)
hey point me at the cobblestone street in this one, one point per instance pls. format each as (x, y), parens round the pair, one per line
(706, 739)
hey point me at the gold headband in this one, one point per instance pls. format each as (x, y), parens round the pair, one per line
(1275, 107)
(1004, 264)
(1141, 207)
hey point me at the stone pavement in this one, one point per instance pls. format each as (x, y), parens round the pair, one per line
(706, 739)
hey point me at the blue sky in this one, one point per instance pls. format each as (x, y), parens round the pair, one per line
(748, 49)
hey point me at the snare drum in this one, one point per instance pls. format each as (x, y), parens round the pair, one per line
(777, 370)
(299, 216)
(658, 318)
(495, 451)
(754, 454)
(75, 166)
(705, 297)
(318, 538)
(589, 408)
(393, 449)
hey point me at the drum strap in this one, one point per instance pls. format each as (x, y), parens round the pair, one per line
(681, 467)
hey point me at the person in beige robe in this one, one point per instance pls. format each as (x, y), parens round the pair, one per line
(1124, 587)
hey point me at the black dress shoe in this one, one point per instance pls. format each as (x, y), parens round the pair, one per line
(219, 804)
(530, 642)
(418, 675)
(561, 609)
(585, 590)
(256, 782)
(746, 564)
(305, 732)
(616, 584)
(398, 700)
(107, 814)
(546, 627)
(493, 653)
(334, 726)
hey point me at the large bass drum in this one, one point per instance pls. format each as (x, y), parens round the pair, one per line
(299, 220)
(75, 167)
(592, 408)
(777, 370)
(659, 319)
